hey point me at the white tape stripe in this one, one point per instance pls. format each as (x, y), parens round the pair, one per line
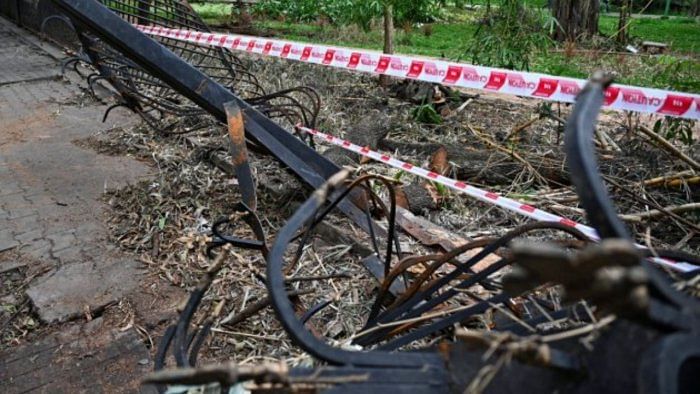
(480, 194)
(546, 87)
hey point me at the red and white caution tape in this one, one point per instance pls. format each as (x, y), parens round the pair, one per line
(480, 194)
(546, 87)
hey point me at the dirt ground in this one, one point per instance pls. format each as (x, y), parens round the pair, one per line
(167, 220)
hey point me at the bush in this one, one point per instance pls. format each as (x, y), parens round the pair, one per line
(510, 37)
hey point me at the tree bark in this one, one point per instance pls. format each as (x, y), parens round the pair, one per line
(578, 19)
(623, 23)
(388, 37)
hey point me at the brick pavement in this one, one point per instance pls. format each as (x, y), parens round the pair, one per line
(52, 215)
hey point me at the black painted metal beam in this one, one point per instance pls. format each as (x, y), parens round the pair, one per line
(159, 61)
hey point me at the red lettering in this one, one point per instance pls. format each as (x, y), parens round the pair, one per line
(354, 60)
(496, 80)
(285, 50)
(328, 58)
(676, 105)
(416, 69)
(306, 53)
(546, 87)
(251, 46)
(383, 64)
(268, 46)
(453, 74)
(611, 95)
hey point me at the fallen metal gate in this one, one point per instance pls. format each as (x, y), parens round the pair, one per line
(615, 275)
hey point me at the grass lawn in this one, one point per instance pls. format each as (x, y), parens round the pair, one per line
(682, 34)
(679, 70)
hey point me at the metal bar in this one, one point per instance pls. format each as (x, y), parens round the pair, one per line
(205, 92)
(285, 310)
(240, 155)
(18, 13)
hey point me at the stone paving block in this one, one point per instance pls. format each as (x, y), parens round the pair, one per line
(30, 236)
(38, 250)
(62, 240)
(7, 188)
(16, 200)
(17, 213)
(7, 240)
(51, 212)
(67, 293)
(24, 223)
(69, 255)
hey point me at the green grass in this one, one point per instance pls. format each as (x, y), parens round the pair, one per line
(681, 34)
(212, 12)
(440, 43)
(679, 71)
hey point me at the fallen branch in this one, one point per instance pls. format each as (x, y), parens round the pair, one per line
(688, 177)
(669, 146)
(655, 213)
(521, 127)
(235, 318)
(636, 196)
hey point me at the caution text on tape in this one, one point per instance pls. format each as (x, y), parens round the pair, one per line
(547, 87)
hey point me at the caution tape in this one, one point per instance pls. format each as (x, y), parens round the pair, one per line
(546, 87)
(480, 194)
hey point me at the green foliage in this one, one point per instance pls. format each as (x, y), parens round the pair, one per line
(675, 129)
(511, 37)
(426, 113)
(671, 71)
(344, 12)
(442, 190)
(679, 74)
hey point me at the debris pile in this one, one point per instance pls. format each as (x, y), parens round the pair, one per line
(408, 265)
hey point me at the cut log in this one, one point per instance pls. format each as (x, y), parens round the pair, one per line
(419, 199)
(484, 165)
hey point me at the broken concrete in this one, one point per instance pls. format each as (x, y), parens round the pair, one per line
(82, 288)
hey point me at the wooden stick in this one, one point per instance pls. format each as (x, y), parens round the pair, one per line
(511, 153)
(655, 213)
(518, 129)
(674, 180)
(635, 196)
(669, 146)
(235, 318)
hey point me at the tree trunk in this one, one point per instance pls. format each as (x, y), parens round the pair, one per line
(577, 19)
(243, 19)
(388, 37)
(624, 21)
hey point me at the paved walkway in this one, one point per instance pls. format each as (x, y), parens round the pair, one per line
(51, 216)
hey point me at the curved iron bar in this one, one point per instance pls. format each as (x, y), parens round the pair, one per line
(139, 89)
(581, 160)
(253, 222)
(285, 310)
(314, 310)
(347, 190)
(420, 302)
(185, 345)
